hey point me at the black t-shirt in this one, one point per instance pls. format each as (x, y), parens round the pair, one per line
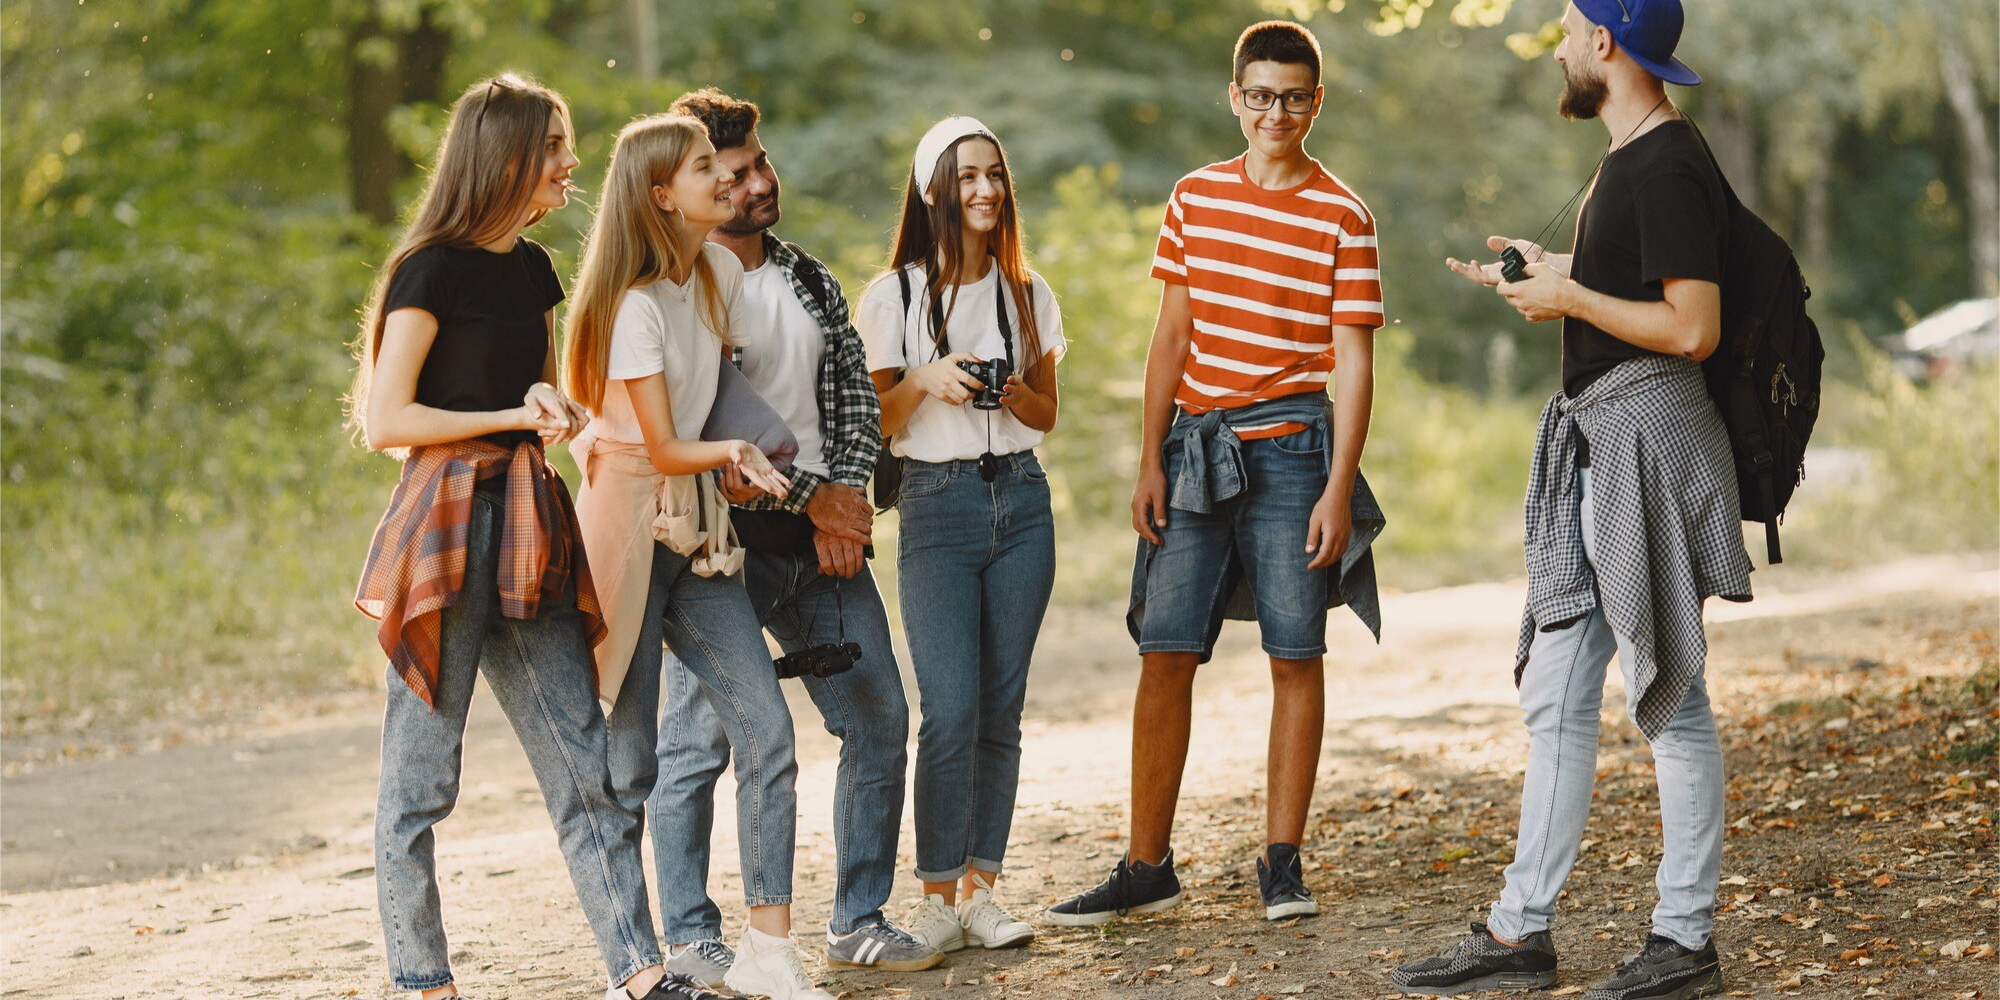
(1657, 213)
(492, 337)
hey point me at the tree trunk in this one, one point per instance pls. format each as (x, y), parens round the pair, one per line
(1982, 185)
(642, 23)
(386, 67)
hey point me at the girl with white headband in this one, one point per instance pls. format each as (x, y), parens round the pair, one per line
(962, 341)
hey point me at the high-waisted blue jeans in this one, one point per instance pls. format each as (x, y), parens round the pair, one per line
(864, 708)
(541, 672)
(976, 563)
(707, 622)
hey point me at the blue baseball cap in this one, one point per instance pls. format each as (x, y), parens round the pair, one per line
(1647, 30)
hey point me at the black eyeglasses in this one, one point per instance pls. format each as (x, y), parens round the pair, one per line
(1297, 102)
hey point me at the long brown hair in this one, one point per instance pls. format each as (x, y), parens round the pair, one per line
(930, 237)
(633, 242)
(486, 170)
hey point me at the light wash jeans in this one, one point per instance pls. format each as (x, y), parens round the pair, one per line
(707, 622)
(541, 672)
(976, 563)
(864, 708)
(1562, 688)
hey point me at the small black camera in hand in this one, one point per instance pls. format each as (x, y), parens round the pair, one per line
(1513, 266)
(993, 374)
(823, 660)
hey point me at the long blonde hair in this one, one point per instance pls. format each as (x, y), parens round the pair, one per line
(486, 170)
(633, 242)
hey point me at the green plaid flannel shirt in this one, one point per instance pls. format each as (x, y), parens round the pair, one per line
(850, 412)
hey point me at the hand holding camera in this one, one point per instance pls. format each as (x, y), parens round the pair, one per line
(946, 379)
(992, 375)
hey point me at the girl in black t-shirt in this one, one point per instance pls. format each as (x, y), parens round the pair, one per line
(477, 567)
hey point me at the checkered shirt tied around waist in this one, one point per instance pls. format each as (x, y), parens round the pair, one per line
(1667, 519)
(416, 562)
(850, 411)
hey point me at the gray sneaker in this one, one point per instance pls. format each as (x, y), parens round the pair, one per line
(705, 962)
(880, 945)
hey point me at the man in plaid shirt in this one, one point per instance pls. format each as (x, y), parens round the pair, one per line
(808, 578)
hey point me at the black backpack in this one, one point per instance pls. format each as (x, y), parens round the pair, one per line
(1765, 374)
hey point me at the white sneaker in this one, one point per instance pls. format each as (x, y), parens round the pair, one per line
(985, 923)
(768, 966)
(933, 922)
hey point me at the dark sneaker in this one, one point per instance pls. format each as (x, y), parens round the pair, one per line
(880, 945)
(1663, 970)
(1282, 882)
(1477, 962)
(1133, 888)
(704, 962)
(672, 987)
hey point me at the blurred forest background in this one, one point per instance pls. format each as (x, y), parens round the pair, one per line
(194, 193)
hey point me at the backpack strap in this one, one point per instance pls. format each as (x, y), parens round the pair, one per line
(806, 269)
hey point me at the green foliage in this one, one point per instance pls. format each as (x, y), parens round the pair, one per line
(184, 517)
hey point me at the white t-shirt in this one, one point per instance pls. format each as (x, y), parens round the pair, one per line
(663, 327)
(900, 338)
(783, 347)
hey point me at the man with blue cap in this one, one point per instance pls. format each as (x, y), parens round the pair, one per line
(1632, 516)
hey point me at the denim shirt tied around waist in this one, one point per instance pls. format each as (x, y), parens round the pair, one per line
(1212, 472)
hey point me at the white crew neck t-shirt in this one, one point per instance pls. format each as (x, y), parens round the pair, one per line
(783, 348)
(900, 338)
(663, 327)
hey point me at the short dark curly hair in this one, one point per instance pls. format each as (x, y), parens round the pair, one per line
(1277, 41)
(729, 120)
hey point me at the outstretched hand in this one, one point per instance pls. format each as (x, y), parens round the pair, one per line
(1489, 274)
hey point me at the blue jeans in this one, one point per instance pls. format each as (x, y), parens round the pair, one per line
(1259, 533)
(864, 708)
(1562, 688)
(541, 672)
(976, 563)
(707, 622)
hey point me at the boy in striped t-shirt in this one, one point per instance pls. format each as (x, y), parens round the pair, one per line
(1250, 502)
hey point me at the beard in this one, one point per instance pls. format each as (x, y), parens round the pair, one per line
(755, 217)
(1582, 97)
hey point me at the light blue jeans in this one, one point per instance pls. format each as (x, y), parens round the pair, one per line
(1562, 688)
(707, 622)
(540, 671)
(976, 563)
(864, 708)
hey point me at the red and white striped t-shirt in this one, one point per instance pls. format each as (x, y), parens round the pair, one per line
(1269, 274)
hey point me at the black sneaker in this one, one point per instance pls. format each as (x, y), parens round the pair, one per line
(1134, 887)
(1282, 882)
(673, 986)
(1477, 962)
(1663, 970)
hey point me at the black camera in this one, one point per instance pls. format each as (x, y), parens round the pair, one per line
(993, 373)
(823, 660)
(1513, 266)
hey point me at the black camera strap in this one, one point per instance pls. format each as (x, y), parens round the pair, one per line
(989, 464)
(1549, 230)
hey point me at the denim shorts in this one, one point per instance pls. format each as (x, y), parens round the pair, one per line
(1258, 536)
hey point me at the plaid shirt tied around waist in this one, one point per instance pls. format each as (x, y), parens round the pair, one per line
(416, 562)
(1667, 518)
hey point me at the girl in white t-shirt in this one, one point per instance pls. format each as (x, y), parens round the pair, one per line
(655, 305)
(976, 546)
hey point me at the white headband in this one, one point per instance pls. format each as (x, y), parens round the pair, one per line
(930, 149)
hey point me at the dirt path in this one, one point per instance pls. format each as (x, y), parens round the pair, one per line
(240, 868)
